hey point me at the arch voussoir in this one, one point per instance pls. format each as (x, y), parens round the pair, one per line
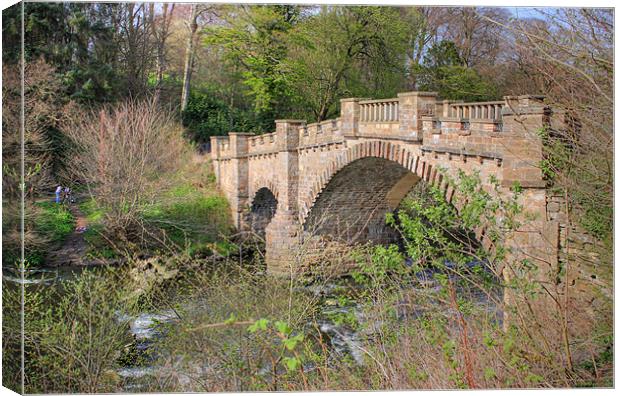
(370, 148)
(269, 184)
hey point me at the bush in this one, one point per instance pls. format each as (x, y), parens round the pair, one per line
(126, 155)
(206, 115)
(74, 335)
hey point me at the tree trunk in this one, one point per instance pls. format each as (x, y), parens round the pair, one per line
(189, 57)
(161, 43)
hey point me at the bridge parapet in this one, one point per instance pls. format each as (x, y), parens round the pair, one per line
(479, 139)
(320, 133)
(263, 144)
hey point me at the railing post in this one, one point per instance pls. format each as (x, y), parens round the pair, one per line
(215, 156)
(350, 116)
(410, 108)
(238, 171)
(523, 118)
(445, 108)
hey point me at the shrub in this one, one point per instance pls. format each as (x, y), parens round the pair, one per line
(126, 155)
(74, 335)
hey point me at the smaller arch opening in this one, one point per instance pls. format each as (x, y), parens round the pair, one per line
(263, 209)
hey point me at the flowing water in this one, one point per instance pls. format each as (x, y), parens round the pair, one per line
(147, 328)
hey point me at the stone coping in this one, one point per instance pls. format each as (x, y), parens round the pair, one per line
(402, 94)
(373, 101)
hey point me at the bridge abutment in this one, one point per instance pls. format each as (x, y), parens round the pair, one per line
(282, 237)
(282, 233)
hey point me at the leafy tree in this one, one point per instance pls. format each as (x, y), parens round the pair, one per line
(208, 115)
(254, 39)
(102, 51)
(345, 51)
(443, 70)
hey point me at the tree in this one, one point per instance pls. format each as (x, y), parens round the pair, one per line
(189, 56)
(478, 40)
(161, 33)
(196, 11)
(570, 56)
(253, 39)
(326, 49)
(443, 70)
(421, 32)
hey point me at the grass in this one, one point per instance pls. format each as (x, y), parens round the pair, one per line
(191, 215)
(91, 211)
(54, 221)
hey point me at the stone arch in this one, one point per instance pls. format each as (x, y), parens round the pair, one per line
(262, 209)
(263, 183)
(413, 166)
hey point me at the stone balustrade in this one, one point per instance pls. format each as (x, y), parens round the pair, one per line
(480, 110)
(382, 110)
(410, 117)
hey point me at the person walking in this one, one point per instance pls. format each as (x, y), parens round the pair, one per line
(68, 196)
(58, 191)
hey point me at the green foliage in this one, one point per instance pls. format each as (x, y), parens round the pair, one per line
(74, 333)
(444, 71)
(346, 51)
(64, 34)
(207, 115)
(436, 233)
(54, 221)
(254, 40)
(384, 261)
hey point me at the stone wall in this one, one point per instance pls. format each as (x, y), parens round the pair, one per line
(578, 254)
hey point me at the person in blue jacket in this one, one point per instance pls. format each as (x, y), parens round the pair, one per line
(58, 191)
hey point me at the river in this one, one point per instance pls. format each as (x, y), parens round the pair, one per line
(147, 327)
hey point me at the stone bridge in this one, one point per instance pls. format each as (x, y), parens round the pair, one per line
(339, 177)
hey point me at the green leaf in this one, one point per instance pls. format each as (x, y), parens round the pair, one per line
(292, 363)
(231, 319)
(260, 324)
(489, 373)
(282, 327)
